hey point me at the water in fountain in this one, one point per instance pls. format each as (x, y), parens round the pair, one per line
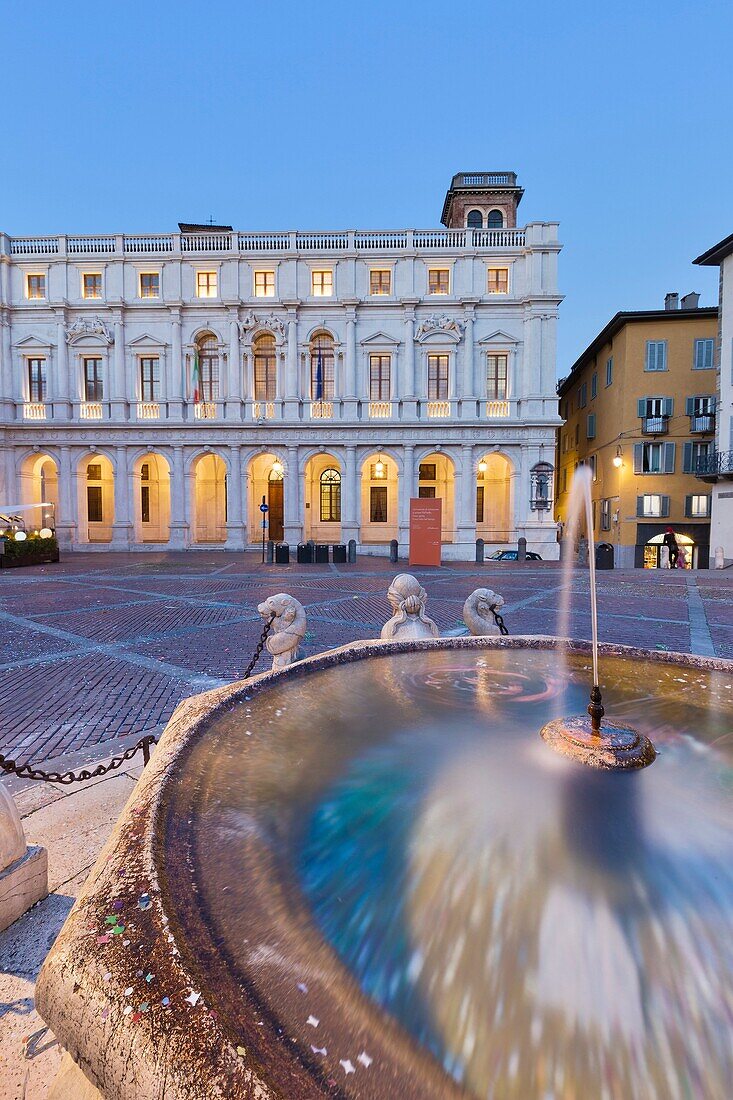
(580, 506)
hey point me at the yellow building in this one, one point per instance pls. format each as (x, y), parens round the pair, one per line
(639, 408)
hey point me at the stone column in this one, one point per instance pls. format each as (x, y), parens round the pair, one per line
(6, 362)
(293, 522)
(67, 520)
(235, 531)
(465, 499)
(406, 490)
(409, 401)
(118, 382)
(292, 392)
(234, 390)
(122, 528)
(349, 411)
(350, 503)
(470, 391)
(178, 524)
(176, 390)
(63, 393)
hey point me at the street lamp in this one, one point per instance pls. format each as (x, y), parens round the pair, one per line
(618, 460)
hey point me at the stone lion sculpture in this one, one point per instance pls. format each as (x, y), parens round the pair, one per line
(407, 599)
(477, 612)
(287, 630)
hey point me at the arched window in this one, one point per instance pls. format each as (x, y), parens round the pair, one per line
(330, 496)
(265, 355)
(322, 367)
(540, 495)
(276, 473)
(205, 374)
(495, 220)
(475, 219)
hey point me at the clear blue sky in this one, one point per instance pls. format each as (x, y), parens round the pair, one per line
(131, 117)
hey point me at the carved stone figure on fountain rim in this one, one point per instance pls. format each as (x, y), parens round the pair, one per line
(407, 599)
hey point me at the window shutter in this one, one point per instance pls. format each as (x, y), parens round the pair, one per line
(688, 505)
(713, 401)
(591, 426)
(689, 406)
(662, 355)
(709, 346)
(651, 355)
(687, 459)
(668, 406)
(665, 505)
(641, 407)
(699, 355)
(669, 458)
(638, 457)
(640, 506)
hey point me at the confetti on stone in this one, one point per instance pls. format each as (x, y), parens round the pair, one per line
(348, 1066)
(118, 905)
(302, 987)
(365, 1060)
(138, 973)
(144, 902)
(193, 998)
(144, 1007)
(118, 930)
(127, 1010)
(135, 1017)
(313, 1021)
(106, 977)
(110, 920)
(104, 1013)
(103, 939)
(125, 943)
(241, 1052)
(149, 977)
(165, 1002)
(319, 1050)
(128, 991)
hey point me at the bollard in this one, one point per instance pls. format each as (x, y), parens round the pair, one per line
(522, 549)
(270, 557)
(719, 558)
(393, 550)
(583, 552)
(479, 551)
(351, 552)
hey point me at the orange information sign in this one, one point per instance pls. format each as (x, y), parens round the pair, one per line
(426, 516)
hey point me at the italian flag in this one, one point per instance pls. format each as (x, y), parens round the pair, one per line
(196, 379)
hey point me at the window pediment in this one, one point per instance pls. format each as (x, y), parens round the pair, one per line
(89, 331)
(439, 328)
(499, 337)
(379, 339)
(29, 343)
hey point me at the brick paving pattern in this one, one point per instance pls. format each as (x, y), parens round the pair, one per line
(103, 646)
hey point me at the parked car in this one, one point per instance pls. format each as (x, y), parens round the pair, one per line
(512, 555)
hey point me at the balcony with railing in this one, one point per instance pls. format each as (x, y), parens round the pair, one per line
(655, 425)
(91, 410)
(205, 410)
(497, 410)
(716, 466)
(705, 422)
(380, 410)
(438, 410)
(263, 410)
(148, 410)
(321, 410)
(34, 410)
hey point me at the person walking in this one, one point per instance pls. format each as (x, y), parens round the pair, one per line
(670, 541)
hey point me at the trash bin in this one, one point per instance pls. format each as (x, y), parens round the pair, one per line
(321, 553)
(604, 555)
(304, 553)
(338, 553)
(282, 554)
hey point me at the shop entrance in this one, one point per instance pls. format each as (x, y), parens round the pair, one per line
(656, 556)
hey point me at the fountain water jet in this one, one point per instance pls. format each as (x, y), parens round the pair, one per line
(586, 739)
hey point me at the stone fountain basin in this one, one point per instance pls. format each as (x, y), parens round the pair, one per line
(146, 997)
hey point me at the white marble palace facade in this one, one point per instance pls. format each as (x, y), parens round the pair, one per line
(155, 388)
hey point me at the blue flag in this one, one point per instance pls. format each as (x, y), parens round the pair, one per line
(319, 375)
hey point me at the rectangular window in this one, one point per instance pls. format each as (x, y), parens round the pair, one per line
(322, 373)
(145, 503)
(594, 386)
(704, 350)
(697, 506)
(378, 504)
(209, 371)
(35, 286)
(656, 355)
(437, 378)
(606, 515)
(654, 458)
(94, 471)
(496, 377)
(322, 284)
(379, 377)
(427, 492)
(93, 386)
(380, 281)
(94, 503)
(207, 283)
(265, 369)
(498, 280)
(426, 471)
(609, 371)
(480, 504)
(438, 280)
(149, 284)
(36, 379)
(653, 505)
(264, 284)
(700, 406)
(694, 455)
(590, 426)
(91, 285)
(150, 379)
(593, 463)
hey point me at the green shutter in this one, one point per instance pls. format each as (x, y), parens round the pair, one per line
(669, 458)
(641, 407)
(665, 505)
(668, 406)
(640, 506)
(688, 505)
(689, 406)
(687, 459)
(638, 457)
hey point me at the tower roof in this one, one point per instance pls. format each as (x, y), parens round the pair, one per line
(481, 184)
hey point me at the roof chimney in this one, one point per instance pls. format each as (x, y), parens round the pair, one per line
(690, 301)
(672, 301)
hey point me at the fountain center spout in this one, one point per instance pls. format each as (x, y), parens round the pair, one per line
(596, 709)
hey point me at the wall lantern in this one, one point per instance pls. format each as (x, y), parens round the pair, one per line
(618, 458)
(20, 536)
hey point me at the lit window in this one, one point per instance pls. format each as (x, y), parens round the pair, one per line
(380, 281)
(475, 219)
(150, 379)
(698, 505)
(206, 370)
(264, 284)
(322, 284)
(379, 377)
(330, 496)
(265, 367)
(498, 280)
(437, 378)
(322, 367)
(93, 385)
(496, 377)
(35, 286)
(91, 286)
(438, 280)
(495, 220)
(36, 379)
(206, 284)
(149, 284)
(651, 505)
(606, 514)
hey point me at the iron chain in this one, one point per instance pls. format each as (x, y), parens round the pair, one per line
(499, 620)
(27, 771)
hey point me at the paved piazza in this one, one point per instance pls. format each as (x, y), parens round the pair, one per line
(101, 647)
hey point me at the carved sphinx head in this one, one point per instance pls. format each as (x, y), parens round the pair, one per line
(478, 611)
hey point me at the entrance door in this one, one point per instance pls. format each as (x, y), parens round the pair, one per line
(275, 515)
